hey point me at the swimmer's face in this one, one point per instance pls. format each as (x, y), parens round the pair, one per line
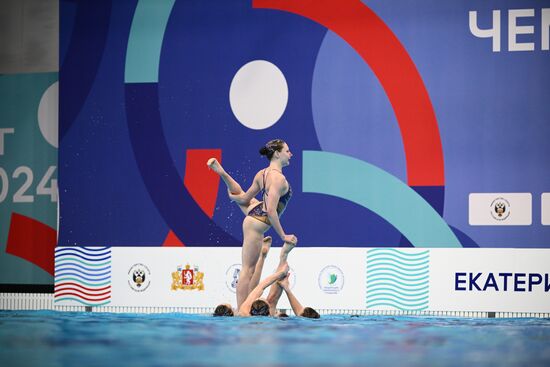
(285, 155)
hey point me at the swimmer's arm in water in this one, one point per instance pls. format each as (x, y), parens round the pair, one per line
(259, 290)
(245, 197)
(297, 307)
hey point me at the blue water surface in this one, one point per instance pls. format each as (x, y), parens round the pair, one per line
(48, 338)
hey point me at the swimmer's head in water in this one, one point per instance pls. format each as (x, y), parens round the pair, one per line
(310, 313)
(223, 310)
(259, 308)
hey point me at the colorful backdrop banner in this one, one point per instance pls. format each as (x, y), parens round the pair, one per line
(418, 124)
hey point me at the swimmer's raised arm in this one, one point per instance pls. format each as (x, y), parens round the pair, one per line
(297, 307)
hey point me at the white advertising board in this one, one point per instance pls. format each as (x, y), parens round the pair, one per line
(499, 280)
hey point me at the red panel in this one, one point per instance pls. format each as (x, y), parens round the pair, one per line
(374, 41)
(33, 241)
(201, 183)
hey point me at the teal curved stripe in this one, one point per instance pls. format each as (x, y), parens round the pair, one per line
(410, 285)
(145, 40)
(375, 189)
(376, 275)
(69, 260)
(398, 297)
(393, 283)
(397, 252)
(386, 286)
(374, 290)
(409, 268)
(396, 256)
(410, 263)
(81, 301)
(399, 272)
(403, 303)
(81, 282)
(399, 307)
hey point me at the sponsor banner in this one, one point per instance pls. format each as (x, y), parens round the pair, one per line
(499, 280)
(500, 209)
(545, 209)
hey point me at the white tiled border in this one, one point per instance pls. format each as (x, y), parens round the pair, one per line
(41, 301)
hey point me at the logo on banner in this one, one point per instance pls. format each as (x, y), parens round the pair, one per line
(139, 277)
(500, 209)
(398, 279)
(331, 279)
(232, 277)
(187, 278)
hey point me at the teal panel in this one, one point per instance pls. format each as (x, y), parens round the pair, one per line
(145, 40)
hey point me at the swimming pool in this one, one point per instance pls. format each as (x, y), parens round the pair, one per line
(49, 338)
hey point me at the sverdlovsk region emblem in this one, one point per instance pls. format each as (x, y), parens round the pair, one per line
(187, 278)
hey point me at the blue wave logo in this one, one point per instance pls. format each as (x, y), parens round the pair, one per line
(83, 275)
(398, 279)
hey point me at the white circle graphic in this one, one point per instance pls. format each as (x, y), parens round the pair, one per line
(258, 94)
(48, 112)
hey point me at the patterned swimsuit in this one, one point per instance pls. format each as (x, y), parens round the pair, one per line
(258, 211)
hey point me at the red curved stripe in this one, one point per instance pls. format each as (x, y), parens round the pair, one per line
(60, 292)
(75, 285)
(33, 241)
(201, 183)
(363, 30)
(79, 296)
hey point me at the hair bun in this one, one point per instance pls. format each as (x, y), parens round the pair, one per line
(264, 150)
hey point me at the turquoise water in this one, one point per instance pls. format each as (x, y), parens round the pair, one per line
(47, 338)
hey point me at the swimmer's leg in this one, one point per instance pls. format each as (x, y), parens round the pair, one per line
(231, 184)
(255, 280)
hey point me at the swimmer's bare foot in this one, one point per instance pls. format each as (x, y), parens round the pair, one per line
(215, 166)
(285, 250)
(266, 245)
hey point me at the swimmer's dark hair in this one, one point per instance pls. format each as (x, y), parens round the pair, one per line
(282, 314)
(310, 313)
(271, 147)
(259, 308)
(223, 310)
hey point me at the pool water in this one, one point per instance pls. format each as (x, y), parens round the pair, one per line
(48, 338)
